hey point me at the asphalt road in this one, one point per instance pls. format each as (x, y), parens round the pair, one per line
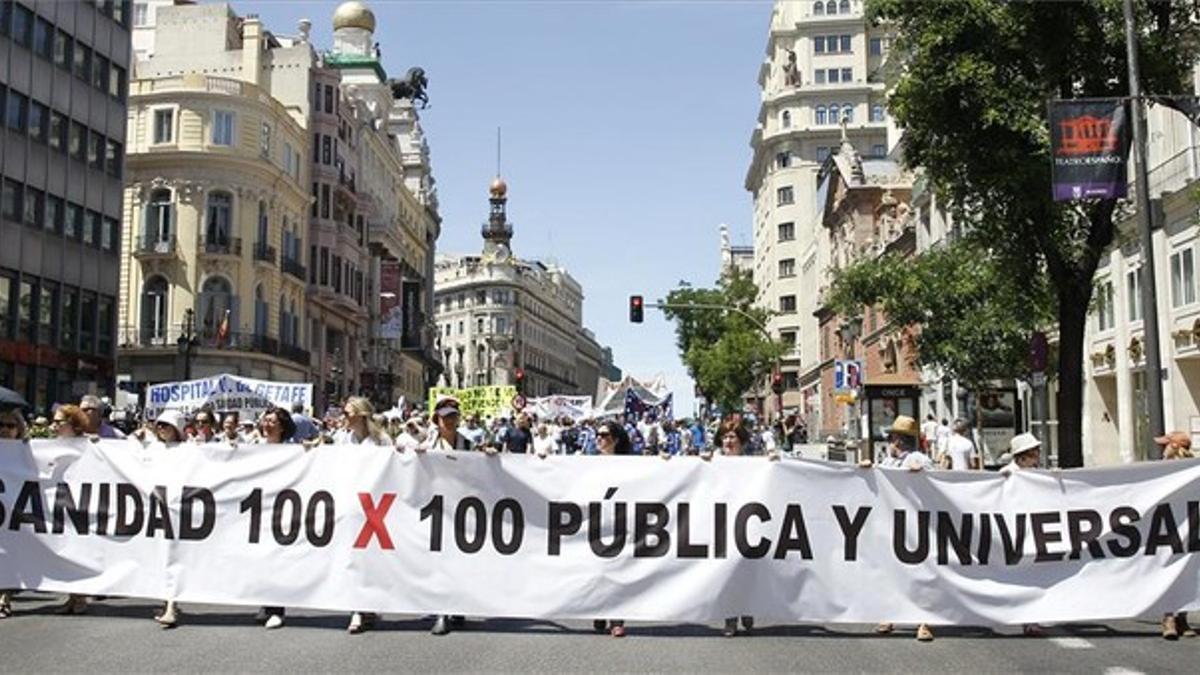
(119, 636)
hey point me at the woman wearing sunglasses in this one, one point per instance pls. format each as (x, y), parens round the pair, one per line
(168, 434)
(611, 439)
(12, 428)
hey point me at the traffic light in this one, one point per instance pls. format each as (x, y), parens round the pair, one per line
(777, 382)
(519, 376)
(635, 308)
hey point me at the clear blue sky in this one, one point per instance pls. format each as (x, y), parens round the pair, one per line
(626, 129)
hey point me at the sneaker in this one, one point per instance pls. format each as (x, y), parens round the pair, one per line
(748, 623)
(274, 621)
(1169, 629)
(924, 634)
(169, 617)
(356, 624)
(600, 626)
(440, 626)
(730, 627)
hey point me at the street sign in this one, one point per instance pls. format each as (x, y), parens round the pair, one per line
(1038, 379)
(847, 375)
(518, 402)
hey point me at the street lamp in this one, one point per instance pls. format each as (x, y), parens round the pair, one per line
(187, 342)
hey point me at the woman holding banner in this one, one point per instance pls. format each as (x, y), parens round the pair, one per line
(169, 434)
(734, 439)
(611, 439)
(12, 428)
(274, 427)
(1176, 445)
(360, 428)
(71, 422)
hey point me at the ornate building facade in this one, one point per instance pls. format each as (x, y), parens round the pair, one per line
(267, 184)
(821, 69)
(498, 315)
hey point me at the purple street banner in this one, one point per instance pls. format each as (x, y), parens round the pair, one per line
(1089, 142)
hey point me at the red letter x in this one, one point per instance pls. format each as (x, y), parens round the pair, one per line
(374, 525)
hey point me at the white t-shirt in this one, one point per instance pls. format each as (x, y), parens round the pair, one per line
(960, 450)
(544, 445)
(929, 431)
(768, 439)
(916, 460)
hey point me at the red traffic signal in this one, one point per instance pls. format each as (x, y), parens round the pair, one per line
(635, 309)
(519, 374)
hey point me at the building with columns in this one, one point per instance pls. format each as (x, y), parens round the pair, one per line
(821, 69)
(267, 184)
(498, 315)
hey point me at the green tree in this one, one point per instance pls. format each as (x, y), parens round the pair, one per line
(972, 101)
(725, 351)
(975, 318)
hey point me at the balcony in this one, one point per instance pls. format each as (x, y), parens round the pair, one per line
(264, 253)
(133, 337)
(231, 246)
(294, 268)
(295, 354)
(150, 246)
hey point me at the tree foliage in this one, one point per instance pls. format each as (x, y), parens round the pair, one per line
(972, 101)
(975, 318)
(725, 351)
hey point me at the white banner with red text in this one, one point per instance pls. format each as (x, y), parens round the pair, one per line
(357, 528)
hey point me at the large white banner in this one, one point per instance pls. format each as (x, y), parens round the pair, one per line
(246, 395)
(364, 528)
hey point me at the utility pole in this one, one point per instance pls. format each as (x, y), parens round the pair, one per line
(1153, 370)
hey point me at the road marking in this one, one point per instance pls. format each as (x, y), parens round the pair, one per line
(1072, 643)
(1118, 670)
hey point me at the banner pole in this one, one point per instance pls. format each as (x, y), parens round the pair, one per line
(1149, 295)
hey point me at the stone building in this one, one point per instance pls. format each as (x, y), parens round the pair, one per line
(269, 183)
(64, 78)
(820, 70)
(498, 315)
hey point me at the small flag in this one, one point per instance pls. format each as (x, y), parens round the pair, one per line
(223, 330)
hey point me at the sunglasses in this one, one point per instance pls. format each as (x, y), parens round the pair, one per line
(603, 434)
(9, 425)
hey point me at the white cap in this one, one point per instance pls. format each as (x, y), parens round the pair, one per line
(1023, 443)
(173, 418)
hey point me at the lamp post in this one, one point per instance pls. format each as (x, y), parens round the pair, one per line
(848, 331)
(188, 341)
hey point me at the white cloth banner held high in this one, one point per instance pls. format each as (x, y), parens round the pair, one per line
(358, 528)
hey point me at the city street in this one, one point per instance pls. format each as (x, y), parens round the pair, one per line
(120, 636)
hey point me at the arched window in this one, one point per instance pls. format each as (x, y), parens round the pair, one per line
(844, 7)
(820, 115)
(835, 114)
(216, 303)
(877, 113)
(785, 119)
(285, 322)
(264, 225)
(154, 311)
(819, 8)
(158, 218)
(831, 7)
(218, 228)
(295, 332)
(287, 253)
(261, 312)
(848, 113)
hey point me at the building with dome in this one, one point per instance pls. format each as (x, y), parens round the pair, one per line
(277, 198)
(498, 315)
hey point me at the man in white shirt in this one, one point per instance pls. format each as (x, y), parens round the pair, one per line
(929, 433)
(960, 451)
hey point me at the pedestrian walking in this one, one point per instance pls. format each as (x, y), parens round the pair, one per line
(958, 452)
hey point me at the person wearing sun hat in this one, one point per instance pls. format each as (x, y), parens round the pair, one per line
(904, 452)
(446, 415)
(1176, 445)
(1025, 451)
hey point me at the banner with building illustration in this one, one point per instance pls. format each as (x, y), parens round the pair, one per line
(1089, 142)
(488, 401)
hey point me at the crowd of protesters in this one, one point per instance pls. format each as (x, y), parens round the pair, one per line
(912, 447)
